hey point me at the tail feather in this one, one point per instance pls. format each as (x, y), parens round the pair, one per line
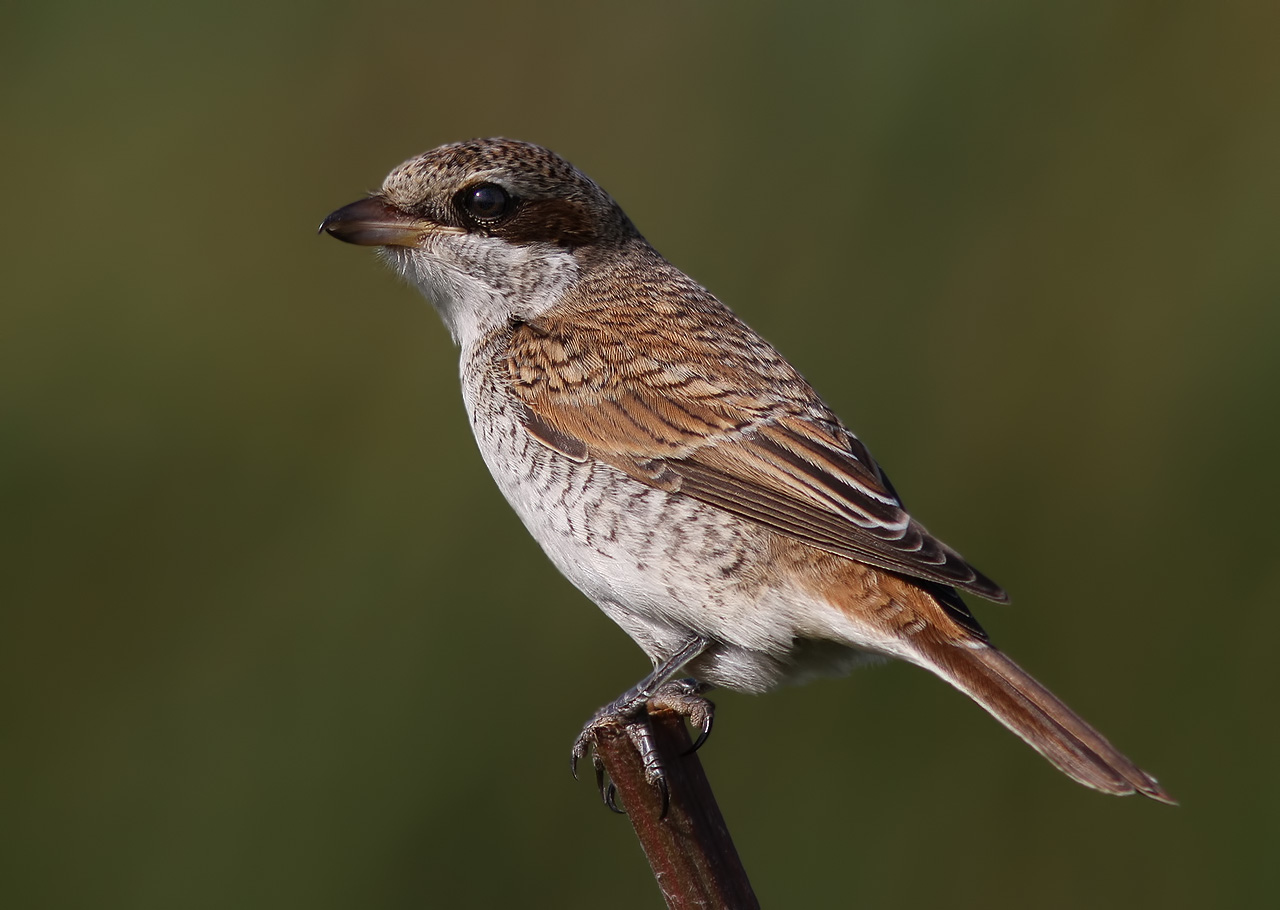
(1035, 714)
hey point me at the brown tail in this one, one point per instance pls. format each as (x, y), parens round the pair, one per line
(1035, 714)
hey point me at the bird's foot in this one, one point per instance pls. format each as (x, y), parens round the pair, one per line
(686, 698)
(630, 712)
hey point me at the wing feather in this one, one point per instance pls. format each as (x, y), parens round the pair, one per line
(745, 434)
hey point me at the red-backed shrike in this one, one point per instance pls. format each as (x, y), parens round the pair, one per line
(674, 466)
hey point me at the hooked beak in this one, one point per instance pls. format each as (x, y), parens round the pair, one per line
(374, 222)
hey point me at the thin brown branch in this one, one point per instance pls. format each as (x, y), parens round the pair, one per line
(689, 849)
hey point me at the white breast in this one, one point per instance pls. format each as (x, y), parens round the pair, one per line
(662, 566)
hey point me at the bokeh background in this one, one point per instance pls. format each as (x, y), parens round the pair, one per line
(270, 638)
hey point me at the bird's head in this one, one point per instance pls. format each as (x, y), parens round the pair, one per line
(489, 229)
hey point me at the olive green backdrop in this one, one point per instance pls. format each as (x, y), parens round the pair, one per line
(270, 638)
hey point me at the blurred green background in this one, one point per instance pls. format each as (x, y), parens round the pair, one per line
(270, 638)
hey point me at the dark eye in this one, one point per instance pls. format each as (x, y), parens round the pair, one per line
(486, 203)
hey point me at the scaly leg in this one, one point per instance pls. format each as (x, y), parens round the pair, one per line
(657, 691)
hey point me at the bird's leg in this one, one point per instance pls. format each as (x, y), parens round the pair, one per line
(659, 691)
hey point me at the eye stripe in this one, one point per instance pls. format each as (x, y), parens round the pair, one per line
(556, 221)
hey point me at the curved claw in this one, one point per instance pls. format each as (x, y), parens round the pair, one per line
(600, 777)
(610, 794)
(704, 733)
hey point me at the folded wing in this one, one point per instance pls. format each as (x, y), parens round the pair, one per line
(693, 422)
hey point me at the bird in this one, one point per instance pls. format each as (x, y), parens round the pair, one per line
(675, 467)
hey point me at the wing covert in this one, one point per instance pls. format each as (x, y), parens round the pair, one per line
(693, 422)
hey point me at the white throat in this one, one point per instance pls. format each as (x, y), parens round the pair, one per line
(479, 284)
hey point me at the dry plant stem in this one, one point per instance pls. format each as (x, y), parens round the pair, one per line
(689, 849)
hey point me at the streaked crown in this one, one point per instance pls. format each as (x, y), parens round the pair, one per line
(517, 191)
